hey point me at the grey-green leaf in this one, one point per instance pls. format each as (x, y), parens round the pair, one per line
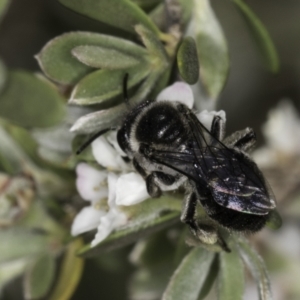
(39, 276)
(102, 85)
(146, 4)
(261, 36)
(104, 58)
(212, 48)
(58, 63)
(257, 268)
(187, 60)
(231, 276)
(130, 234)
(21, 243)
(188, 279)
(160, 59)
(12, 269)
(123, 14)
(107, 118)
(30, 102)
(11, 155)
(210, 278)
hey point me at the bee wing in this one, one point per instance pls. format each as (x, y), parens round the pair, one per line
(234, 180)
(179, 161)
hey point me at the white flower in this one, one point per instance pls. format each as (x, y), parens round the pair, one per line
(178, 91)
(119, 185)
(206, 117)
(102, 189)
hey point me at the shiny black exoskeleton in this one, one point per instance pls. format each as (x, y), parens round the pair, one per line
(169, 146)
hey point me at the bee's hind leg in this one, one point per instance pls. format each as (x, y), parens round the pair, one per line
(205, 233)
(217, 129)
(244, 140)
(154, 180)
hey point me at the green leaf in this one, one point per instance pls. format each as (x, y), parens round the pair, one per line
(12, 269)
(21, 243)
(70, 273)
(231, 276)
(108, 118)
(256, 267)
(123, 14)
(187, 60)
(145, 218)
(160, 59)
(210, 279)
(190, 276)
(102, 85)
(130, 234)
(39, 276)
(27, 101)
(104, 58)
(11, 156)
(147, 4)
(261, 36)
(212, 48)
(58, 63)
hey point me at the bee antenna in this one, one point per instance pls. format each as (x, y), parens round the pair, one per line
(90, 140)
(125, 90)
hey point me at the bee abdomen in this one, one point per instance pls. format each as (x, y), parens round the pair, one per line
(233, 219)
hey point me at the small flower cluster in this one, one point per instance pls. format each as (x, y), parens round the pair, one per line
(118, 184)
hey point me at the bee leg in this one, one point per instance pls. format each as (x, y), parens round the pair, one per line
(243, 140)
(189, 211)
(218, 128)
(152, 188)
(164, 178)
(139, 168)
(206, 233)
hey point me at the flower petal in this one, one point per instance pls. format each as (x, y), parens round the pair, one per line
(206, 117)
(112, 186)
(112, 220)
(87, 219)
(106, 155)
(179, 91)
(131, 189)
(91, 183)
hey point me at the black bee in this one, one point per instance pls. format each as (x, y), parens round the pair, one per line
(168, 145)
(166, 141)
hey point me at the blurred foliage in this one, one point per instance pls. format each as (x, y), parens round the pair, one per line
(156, 42)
